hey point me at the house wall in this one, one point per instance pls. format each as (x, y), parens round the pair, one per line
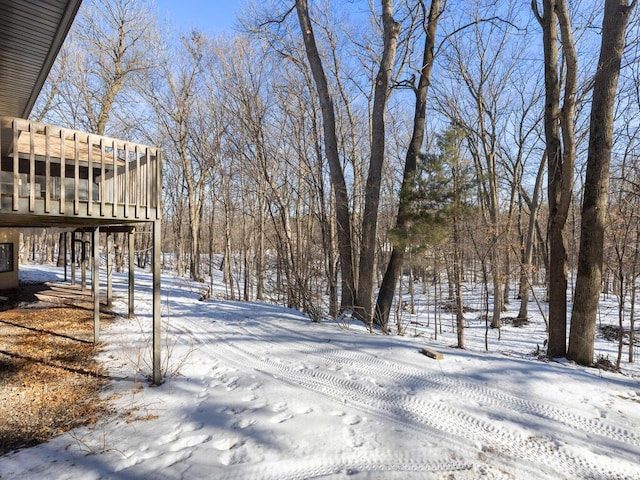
(10, 279)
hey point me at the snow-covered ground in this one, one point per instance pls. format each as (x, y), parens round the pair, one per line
(260, 392)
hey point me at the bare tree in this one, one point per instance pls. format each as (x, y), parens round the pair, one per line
(112, 48)
(343, 215)
(190, 129)
(394, 267)
(560, 152)
(391, 30)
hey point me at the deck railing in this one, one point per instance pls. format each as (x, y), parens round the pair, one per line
(48, 170)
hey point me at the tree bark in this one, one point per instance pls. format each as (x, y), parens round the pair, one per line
(596, 187)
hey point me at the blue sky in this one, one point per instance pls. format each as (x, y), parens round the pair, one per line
(210, 16)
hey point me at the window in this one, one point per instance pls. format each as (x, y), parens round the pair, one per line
(6, 257)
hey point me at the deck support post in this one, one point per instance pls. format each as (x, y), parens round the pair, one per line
(95, 282)
(157, 374)
(83, 264)
(109, 266)
(131, 240)
(64, 253)
(73, 258)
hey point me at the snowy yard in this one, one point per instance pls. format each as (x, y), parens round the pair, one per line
(263, 393)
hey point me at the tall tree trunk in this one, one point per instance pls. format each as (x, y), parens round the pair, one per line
(366, 265)
(343, 215)
(560, 166)
(596, 187)
(394, 267)
(527, 256)
(457, 269)
(260, 267)
(632, 307)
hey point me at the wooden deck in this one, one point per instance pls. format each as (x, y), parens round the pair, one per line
(51, 175)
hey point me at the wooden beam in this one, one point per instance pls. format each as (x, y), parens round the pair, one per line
(431, 353)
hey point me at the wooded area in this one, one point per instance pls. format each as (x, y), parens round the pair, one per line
(329, 155)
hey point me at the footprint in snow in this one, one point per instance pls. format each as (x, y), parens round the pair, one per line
(351, 419)
(187, 427)
(279, 407)
(243, 423)
(227, 442)
(232, 410)
(301, 409)
(168, 459)
(281, 417)
(187, 442)
(233, 457)
(355, 440)
(166, 439)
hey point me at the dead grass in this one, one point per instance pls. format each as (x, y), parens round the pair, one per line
(50, 381)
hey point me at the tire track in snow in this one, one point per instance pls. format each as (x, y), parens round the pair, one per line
(381, 368)
(423, 415)
(374, 366)
(346, 464)
(326, 465)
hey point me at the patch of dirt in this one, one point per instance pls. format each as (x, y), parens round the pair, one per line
(50, 381)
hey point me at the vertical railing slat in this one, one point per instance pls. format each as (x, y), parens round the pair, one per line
(138, 183)
(76, 174)
(102, 190)
(114, 180)
(126, 180)
(147, 183)
(16, 166)
(158, 183)
(63, 169)
(0, 163)
(47, 169)
(32, 169)
(90, 175)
